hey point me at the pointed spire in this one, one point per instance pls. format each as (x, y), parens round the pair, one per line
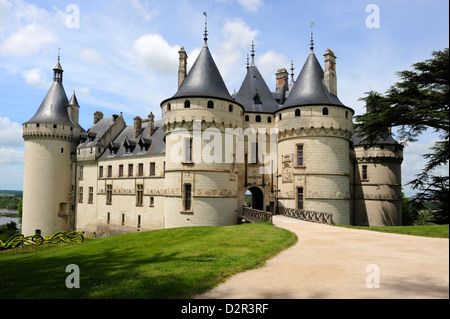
(205, 37)
(292, 71)
(253, 52)
(57, 70)
(312, 40)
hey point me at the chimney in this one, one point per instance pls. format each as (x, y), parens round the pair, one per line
(137, 127)
(151, 124)
(182, 69)
(97, 116)
(329, 77)
(282, 77)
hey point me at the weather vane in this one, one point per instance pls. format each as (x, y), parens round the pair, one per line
(206, 27)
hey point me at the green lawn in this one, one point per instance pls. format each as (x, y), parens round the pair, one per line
(170, 263)
(439, 231)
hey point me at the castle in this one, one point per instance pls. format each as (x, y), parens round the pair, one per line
(292, 148)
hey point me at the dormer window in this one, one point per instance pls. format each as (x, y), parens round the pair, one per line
(257, 99)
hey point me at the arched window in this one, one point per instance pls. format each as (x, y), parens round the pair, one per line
(258, 118)
(210, 104)
(247, 118)
(269, 119)
(297, 112)
(187, 104)
(325, 111)
(230, 108)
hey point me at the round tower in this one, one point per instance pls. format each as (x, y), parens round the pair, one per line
(201, 179)
(50, 138)
(315, 129)
(377, 182)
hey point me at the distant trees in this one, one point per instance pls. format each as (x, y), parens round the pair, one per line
(419, 101)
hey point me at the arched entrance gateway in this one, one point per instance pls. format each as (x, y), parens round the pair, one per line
(254, 197)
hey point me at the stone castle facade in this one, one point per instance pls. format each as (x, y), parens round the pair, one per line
(293, 147)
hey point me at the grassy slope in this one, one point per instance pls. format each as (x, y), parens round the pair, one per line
(169, 263)
(439, 231)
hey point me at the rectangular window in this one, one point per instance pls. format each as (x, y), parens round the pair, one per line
(108, 194)
(300, 198)
(187, 197)
(80, 195)
(140, 169)
(100, 172)
(364, 173)
(123, 219)
(152, 201)
(254, 153)
(81, 173)
(91, 195)
(120, 170)
(108, 218)
(140, 195)
(188, 150)
(300, 155)
(139, 221)
(109, 171)
(152, 169)
(130, 170)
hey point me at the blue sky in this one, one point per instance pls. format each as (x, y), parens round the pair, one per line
(122, 56)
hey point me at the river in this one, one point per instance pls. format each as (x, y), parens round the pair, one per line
(7, 216)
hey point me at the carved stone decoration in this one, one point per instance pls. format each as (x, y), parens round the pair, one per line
(287, 169)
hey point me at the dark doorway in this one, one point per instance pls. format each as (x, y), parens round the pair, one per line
(255, 198)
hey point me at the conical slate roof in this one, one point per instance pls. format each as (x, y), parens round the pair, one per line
(254, 93)
(53, 108)
(204, 79)
(309, 88)
(73, 100)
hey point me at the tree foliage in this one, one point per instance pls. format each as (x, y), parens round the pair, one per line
(419, 101)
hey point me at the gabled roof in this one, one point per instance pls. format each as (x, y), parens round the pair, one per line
(254, 93)
(309, 88)
(204, 79)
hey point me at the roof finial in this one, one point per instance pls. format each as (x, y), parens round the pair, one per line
(312, 40)
(253, 52)
(59, 53)
(292, 71)
(206, 28)
(248, 63)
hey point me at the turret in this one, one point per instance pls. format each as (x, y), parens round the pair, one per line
(51, 136)
(201, 102)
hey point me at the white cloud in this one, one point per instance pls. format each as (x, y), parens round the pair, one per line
(251, 5)
(11, 168)
(91, 56)
(269, 63)
(10, 133)
(9, 156)
(142, 8)
(156, 54)
(35, 77)
(238, 39)
(27, 40)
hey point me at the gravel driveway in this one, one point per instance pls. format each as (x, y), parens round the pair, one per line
(331, 262)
